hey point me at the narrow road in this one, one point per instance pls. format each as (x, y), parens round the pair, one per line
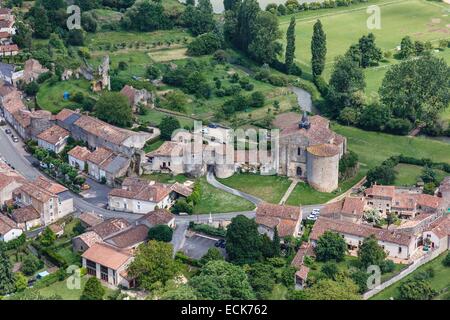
(212, 181)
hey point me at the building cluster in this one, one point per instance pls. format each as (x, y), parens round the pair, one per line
(29, 204)
(108, 246)
(424, 223)
(308, 150)
(7, 30)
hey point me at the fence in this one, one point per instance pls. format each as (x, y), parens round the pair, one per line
(419, 262)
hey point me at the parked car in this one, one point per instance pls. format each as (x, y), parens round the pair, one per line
(220, 243)
(312, 217)
(8, 131)
(15, 139)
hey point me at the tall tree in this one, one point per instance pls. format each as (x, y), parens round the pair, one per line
(290, 46)
(7, 283)
(93, 290)
(264, 46)
(330, 246)
(370, 253)
(121, 115)
(370, 53)
(153, 263)
(417, 89)
(407, 48)
(200, 19)
(327, 289)
(230, 4)
(247, 14)
(220, 280)
(276, 243)
(318, 49)
(243, 240)
(346, 80)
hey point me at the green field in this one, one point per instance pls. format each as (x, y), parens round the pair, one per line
(408, 175)
(267, 188)
(217, 201)
(440, 281)
(50, 96)
(375, 147)
(344, 26)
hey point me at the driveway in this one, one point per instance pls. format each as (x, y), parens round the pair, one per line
(196, 246)
(97, 194)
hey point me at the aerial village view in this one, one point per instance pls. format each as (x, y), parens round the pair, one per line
(224, 150)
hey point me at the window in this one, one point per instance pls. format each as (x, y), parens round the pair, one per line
(399, 249)
(299, 151)
(299, 171)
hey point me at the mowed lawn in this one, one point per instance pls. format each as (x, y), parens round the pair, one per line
(217, 201)
(375, 147)
(408, 175)
(267, 188)
(345, 26)
(60, 288)
(440, 280)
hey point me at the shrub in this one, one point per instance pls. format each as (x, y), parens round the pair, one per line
(160, 233)
(446, 261)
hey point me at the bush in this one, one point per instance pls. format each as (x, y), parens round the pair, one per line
(182, 206)
(387, 266)
(446, 261)
(160, 233)
(207, 229)
(398, 126)
(31, 264)
(205, 44)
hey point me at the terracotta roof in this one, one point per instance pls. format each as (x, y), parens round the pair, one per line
(56, 228)
(305, 250)
(404, 201)
(6, 89)
(380, 191)
(90, 238)
(25, 214)
(140, 189)
(64, 114)
(7, 178)
(49, 185)
(99, 155)
(326, 224)
(6, 224)
(41, 189)
(129, 237)
(302, 273)
(33, 69)
(284, 217)
(13, 102)
(129, 92)
(426, 200)
(80, 153)
(167, 149)
(353, 206)
(323, 150)
(440, 227)
(181, 189)
(102, 129)
(445, 185)
(110, 226)
(54, 134)
(9, 48)
(157, 217)
(107, 256)
(90, 219)
(5, 35)
(23, 117)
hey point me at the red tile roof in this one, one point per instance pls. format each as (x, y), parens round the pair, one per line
(285, 218)
(140, 189)
(54, 134)
(157, 217)
(107, 256)
(80, 153)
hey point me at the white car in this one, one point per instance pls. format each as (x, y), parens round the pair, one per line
(312, 217)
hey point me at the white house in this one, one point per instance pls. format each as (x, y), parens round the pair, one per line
(437, 235)
(78, 156)
(53, 139)
(8, 229)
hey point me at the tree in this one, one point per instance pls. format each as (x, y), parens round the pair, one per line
(211, 255)
(327, 289)
(21, 282)
(416, 290)
(318, 49)
(168, 125)
(257, 99)
(261, 279)
(230, 4)
(331, 246)
(200, 19)
(93, 290)
(417, 89)
(428, 175)
(146, 15)
(349, 116)
(370, 253)
(120, 115)
(264, 46)
(153, 263)
(276, 243)
(406, 48)
(32, 88)
(220, 280)
(7, 283)
(370, 53)
(181, 205)
(290, 46)
(374, 117)
(384, 175)
(160, 232)
(446, 261)
(89, 22)
(47, 238)
(206, 43)
(23, 35)
(153, 72)
(75, 37)
(243, 241)
(346, 81)
(31, 264)
(39, 22)
(330, 270)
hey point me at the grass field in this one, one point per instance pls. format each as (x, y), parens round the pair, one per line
(408, 175)
(375, 147)
(440, 281)
(50, 97)
(268, 188)
(217, 201)
(344, 26)
(60, 288)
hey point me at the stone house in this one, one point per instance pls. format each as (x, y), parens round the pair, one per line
(8, 229)
(26, 218)
(103, 164)
(158, 217)
(437, 234)
(32, 70)
(53, 139)
(287, 219)
(50, 199)
(108, 264)
(350, 209)
(77, 157)
(136, 97)
(10, 180)
(90, 219)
